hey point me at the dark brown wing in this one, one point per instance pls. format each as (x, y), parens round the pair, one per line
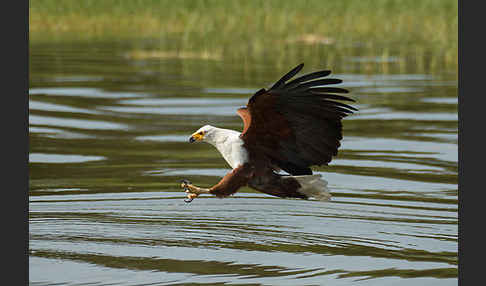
(296, 124)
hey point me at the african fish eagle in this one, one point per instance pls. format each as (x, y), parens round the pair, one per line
(289, 127)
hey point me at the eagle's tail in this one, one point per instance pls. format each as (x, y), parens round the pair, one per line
(313, 186)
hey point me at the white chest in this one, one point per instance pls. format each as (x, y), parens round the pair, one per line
(233, 151)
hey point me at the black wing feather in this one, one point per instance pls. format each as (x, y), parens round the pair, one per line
(308, 110)
(333, 96)
(331, 89)
(307, 85)
(306, 77)
(288, 76)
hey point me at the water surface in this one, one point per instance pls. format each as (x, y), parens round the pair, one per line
(108, 148)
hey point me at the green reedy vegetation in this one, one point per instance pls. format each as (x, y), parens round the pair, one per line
(423, 29)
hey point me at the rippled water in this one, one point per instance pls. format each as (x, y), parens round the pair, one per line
(108, 148)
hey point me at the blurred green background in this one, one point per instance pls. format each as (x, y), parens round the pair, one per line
(410, 34)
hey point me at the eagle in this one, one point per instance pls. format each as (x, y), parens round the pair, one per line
(293, 125)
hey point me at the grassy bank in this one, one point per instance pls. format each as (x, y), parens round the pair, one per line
(424, 29)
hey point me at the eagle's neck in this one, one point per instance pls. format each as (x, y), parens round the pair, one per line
(230, 145)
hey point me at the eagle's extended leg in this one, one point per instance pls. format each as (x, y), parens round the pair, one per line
(192, 191)
(230, 183)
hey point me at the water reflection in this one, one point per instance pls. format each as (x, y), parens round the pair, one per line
(60, 158)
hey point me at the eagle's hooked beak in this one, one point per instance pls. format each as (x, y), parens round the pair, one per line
(196, 137)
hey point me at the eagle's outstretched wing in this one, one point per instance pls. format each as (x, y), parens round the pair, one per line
(296, 124)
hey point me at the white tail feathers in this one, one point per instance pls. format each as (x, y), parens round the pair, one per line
(314, 186)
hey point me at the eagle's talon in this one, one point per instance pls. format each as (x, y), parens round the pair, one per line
(190, 197)
(184, 183)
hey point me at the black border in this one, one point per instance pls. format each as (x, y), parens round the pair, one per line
(460, 67)
(471, 143)
(15, 121)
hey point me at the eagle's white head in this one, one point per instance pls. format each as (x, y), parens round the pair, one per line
(228, 143)
(206, 133)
